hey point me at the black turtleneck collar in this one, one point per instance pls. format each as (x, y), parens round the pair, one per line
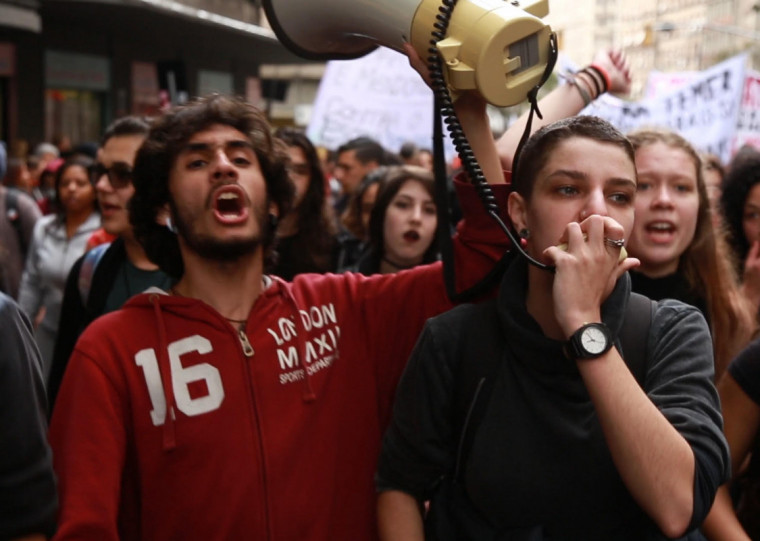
(524, 335)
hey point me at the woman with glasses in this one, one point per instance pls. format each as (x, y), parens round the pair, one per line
(58, 240)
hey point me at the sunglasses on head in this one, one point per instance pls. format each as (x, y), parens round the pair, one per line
(119, 174)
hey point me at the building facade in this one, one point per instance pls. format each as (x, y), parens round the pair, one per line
(663, 35)
(85, 63)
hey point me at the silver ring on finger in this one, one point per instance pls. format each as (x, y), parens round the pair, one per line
(614, 243)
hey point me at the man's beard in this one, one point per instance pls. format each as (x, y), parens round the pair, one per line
(208, 247)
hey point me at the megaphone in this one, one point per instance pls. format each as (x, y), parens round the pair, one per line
(499, 48)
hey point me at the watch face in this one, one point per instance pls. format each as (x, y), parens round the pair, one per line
(594, 341)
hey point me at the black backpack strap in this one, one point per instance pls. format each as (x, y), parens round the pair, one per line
(634, 335)
(485, 344)
(476, 374)
(87, 271)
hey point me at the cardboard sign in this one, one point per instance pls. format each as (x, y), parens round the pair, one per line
(748, 121)
(660, 83)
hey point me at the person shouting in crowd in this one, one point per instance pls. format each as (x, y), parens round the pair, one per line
(402, 224)
(237, 405)
(682, 255)
(581, 436)
(104, 278)
(58, 240)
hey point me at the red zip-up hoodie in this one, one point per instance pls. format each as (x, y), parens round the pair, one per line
(273, 430)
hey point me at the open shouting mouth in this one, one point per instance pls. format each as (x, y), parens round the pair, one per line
(411, 236)
(229, 203)
(660, 231)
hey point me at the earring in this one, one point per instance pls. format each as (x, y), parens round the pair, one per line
(170, 226)
(524, 235)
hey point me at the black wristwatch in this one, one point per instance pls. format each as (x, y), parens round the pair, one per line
(592, 340)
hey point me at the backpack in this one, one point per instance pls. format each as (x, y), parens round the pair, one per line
(14, 216)
(87, 270)
(476, 378)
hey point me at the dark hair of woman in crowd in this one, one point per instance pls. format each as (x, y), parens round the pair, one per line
(306, 238)
(356, 216)
(743, 175)
(378, 257)
(86, 164)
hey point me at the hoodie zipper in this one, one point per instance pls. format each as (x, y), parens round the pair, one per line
(248, 352)
(247, 348)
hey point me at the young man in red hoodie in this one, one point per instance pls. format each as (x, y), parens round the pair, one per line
(237, 405)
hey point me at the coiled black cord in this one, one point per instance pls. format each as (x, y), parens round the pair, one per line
(445, 105)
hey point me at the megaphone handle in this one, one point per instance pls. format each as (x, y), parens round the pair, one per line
(443, 103)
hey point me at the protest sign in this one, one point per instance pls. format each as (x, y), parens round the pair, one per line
(704, 110)
(748, 122)
(378, 95)
(660, 83)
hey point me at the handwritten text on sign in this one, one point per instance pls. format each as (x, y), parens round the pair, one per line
(704, 110)
(378, 95)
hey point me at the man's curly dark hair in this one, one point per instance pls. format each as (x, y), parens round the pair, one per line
(166, 139)
(742, 176)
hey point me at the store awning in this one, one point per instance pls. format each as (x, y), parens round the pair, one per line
(170, 16)
(20, 16)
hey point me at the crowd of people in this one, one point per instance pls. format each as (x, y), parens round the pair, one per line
(234, 334)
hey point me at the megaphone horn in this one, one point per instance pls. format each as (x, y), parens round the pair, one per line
(496, 47)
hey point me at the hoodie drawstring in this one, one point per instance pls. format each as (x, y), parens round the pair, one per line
(164, 367)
